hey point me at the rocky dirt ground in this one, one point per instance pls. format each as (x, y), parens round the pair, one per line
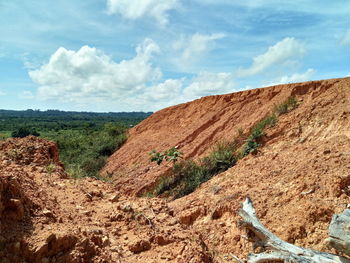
(46, 217)
(297, 181)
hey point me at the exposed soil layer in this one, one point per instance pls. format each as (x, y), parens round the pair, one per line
(297, 181)
(196, 126)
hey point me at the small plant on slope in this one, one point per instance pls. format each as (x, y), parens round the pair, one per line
(170, 155)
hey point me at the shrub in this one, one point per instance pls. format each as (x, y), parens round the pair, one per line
(188, 175)
(221, 158)
(91, 166)
(170, 155)
(23, 132)
(285, 107)
(258, 131)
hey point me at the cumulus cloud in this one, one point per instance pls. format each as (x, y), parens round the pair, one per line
(90, 74)
(282, 52)
(207, 83)
(297, 77)
(164, 91)
(194, 46)
(135, 9)
(346, 38)
(174, 91)
(2, 93)
(90, 77)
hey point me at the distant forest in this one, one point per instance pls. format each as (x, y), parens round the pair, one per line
(58, 120)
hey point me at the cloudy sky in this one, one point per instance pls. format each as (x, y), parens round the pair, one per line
(132, 55)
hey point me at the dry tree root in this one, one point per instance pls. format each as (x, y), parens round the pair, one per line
(275, 249)
(339, 232)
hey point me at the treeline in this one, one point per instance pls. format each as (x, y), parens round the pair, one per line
(72, 114)
(66, 120)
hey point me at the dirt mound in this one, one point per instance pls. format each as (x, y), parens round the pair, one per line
(29, 151)
(298, 180)
(196, 126)
(46, 217)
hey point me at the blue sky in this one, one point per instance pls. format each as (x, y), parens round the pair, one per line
(128, 55)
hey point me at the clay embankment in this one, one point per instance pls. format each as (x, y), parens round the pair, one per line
(196, 126)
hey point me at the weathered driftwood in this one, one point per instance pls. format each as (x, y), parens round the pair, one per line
(339, 232)
(277, 249)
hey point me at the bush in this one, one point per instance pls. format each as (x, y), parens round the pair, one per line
(221, 158)
(23, 132)
(170, 155)
(258, 131)
(188, 175)
(285, 107)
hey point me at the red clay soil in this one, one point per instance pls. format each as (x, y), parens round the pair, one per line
(297, 181)
(46, 217)
(196, 126)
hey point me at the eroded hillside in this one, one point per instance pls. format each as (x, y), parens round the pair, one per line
(297, 180)
(196, 126)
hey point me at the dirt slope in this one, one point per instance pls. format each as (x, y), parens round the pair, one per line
(298, 179)
(46, 217)
(195, 126)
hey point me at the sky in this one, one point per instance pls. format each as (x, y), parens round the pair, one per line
(144, 55)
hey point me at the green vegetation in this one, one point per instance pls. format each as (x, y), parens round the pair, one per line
(285, 107)
(258, 131)
(187, 175)
(84, 152)
(171, 155)
(85, 140)
(22, 132)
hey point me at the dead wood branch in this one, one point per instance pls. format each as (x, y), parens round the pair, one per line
(276, 249)
(339, 232)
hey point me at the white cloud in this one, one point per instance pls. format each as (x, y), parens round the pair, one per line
(29, 62)
(165, 91)
(297, 77)
(2, 93)
(174, 91)
(90, 77)
(26, 94)
(346, 38)
(194, 46)
(89, 74)
(207, 83)
(135, 9)
(282, 52)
